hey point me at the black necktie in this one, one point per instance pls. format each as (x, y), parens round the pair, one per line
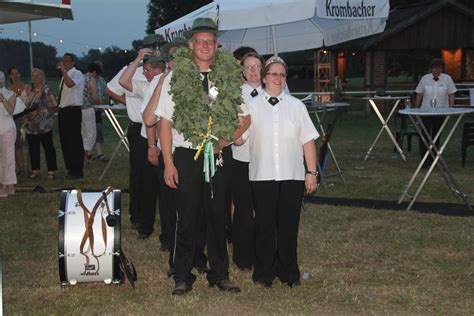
(435, 78)
(273, 100)
(254, 93)
(61, 86)
(205, 82)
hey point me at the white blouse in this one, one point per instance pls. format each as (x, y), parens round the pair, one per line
(276, 138)
(6, 119)
(438, 90)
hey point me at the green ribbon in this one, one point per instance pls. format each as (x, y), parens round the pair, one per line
(209, 169)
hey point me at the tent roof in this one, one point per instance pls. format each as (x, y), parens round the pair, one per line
(18, 11)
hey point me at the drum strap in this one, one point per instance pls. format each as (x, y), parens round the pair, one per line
(89, 217)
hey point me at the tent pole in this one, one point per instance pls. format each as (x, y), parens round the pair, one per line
(31, 48)
(275, 52)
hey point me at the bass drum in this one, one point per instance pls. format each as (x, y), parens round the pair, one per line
(89, 237)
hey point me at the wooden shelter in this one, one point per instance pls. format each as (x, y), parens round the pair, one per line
(446, 25)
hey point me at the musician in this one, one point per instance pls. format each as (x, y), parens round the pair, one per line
(138, 144)
(280, 136)
(191, 75)
(243, 225)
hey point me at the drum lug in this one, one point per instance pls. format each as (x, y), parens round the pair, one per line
(61, 255)
(61, 213)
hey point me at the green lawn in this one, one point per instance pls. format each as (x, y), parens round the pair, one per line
(359, 260)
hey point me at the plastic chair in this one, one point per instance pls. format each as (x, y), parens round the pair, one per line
(467, 140)
(406, 130)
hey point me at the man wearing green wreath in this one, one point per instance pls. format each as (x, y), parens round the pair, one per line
(200, 112)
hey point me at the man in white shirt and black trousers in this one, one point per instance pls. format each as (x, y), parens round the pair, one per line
(71, 90)
(142, 205)
(153, 66)
(184, 168)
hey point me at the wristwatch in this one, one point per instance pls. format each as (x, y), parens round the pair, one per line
(314, 173)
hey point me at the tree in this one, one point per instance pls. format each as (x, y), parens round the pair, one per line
(16, 53)
(162, 12)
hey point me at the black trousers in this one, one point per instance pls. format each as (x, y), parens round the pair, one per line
(143, 182)
(167, 210)
(432, 124)
(192, 194)
(243, 224)
(69, 125)
(46, 140)
(277, 215)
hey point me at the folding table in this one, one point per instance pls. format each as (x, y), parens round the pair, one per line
(416, 116)
(325, 107)
(108, 110)
(373, 103)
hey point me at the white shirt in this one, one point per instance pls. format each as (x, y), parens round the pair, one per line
(72, 96)
(132, 100)
(146, 99)
(6, 119)
(277, 135)
(241, 153)
(165, 109)
(438, 90)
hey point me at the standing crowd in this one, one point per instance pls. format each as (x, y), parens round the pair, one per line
(226, 152)
(31, 108)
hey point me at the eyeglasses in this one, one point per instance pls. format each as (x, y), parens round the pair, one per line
(276, 75)
(253, 67)
(201, 42)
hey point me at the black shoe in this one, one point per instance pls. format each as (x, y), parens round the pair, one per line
(226, 285)
(180, 288)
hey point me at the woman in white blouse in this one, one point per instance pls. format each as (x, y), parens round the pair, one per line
(7, 140)
(281, 138)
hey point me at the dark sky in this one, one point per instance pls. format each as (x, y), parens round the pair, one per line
(97, 23)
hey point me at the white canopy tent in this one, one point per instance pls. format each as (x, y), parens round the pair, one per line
(26, 11)
(273, 26)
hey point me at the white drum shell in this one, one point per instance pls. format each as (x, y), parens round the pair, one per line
(102, 268)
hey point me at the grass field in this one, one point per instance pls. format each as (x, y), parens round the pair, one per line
(359, 260)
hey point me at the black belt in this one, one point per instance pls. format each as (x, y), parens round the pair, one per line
(131, 123)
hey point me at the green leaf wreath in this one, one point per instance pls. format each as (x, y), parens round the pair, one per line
(192, 109)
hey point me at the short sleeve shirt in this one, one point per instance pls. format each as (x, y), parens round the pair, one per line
(146, 99)
(132, 100)
(276, 138)
(72, 96)
(438, 90)
(165, 109)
